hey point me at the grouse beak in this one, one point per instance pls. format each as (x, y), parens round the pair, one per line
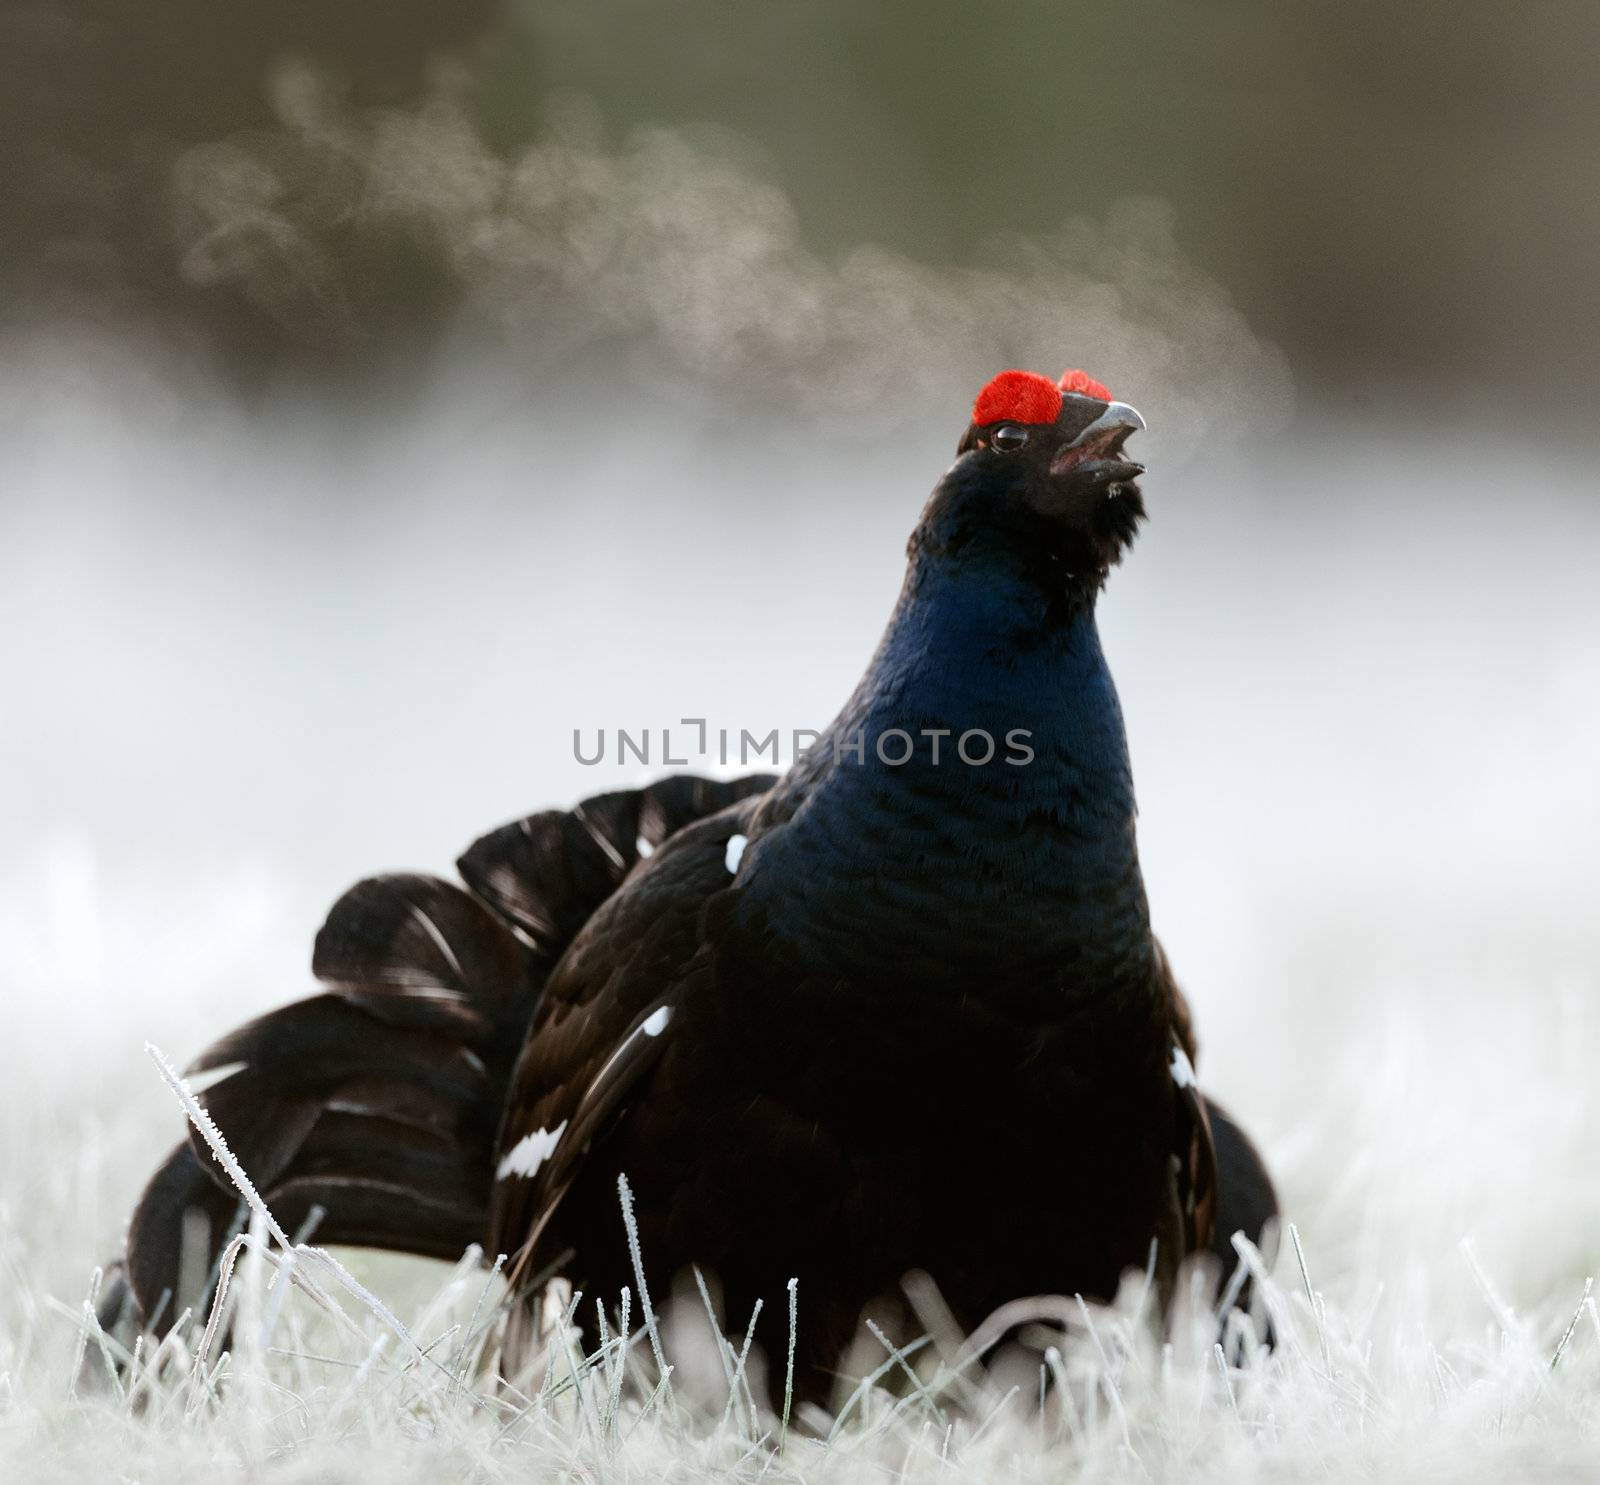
(1099, 446)
(1118, 418)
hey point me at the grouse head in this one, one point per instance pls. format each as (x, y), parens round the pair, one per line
(1040, 473)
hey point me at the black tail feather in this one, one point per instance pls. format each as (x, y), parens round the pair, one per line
(1246, 1202)
(1246, 1199)
(547, 873)
(321, 1054)
(183, 1221)
(415, 951)
(377, 1104)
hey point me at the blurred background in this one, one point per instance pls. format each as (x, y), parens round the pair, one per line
(387, 390)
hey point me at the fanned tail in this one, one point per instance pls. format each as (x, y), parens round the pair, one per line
(368, 1114)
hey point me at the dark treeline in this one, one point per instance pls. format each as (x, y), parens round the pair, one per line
(1394, 195)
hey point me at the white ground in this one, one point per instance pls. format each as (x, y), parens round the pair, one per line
(1420, 1357)
(1364, 724)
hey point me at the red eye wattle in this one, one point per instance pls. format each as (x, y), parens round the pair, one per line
(1073, 380)
(1018, 397)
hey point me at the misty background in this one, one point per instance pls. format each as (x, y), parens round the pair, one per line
(388, 390)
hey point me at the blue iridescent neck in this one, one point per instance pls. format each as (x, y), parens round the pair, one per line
(1008, 863)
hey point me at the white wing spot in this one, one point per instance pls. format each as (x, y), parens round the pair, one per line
(530, 1152)
(736, 845)
(644, 849)
(656, 1022)
(1182, 1068)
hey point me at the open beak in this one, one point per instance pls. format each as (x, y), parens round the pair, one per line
(1117, 419)
(1100, 444)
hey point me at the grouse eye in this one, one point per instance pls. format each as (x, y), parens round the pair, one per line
(1008, 438)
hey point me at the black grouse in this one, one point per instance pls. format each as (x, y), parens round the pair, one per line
(899, 1009)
